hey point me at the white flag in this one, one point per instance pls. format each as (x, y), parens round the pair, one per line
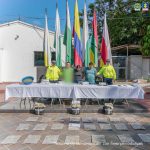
(85, 39)
(57, 42)
(46, 45)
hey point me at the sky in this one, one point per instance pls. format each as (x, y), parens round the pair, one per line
(33, 11)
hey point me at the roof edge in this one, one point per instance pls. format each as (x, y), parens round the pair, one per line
(24, 23)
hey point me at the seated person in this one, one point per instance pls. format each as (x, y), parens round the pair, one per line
(53, 72)
(90, 73)
(68, 73)
(78, 74)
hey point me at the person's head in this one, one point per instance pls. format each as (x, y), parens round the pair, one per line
(68, 65)
(91, 65)
(78, 67)
(53, 62)
(107, 61)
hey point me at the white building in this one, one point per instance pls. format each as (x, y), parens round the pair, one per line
(20, 44)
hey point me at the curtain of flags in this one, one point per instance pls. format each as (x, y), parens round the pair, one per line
(85, 48)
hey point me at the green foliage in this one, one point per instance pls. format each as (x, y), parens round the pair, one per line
(125, 25)
(145, 43)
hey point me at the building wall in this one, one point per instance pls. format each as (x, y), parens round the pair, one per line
(1, 60)
(135, 67)
(19, 42)
(139, 67)
(146, 67)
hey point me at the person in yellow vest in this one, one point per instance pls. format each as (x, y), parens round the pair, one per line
(53, 72)
(108, 73)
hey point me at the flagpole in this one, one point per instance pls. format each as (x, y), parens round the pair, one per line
(66, 29)
(66, 10)
(46, 11)
(56, 3)
(66, 7)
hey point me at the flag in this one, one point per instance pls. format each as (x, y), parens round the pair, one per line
(85, 39)
(68, 36)
(57, 41)
(105, 45)
(46, 44)
(94, 42)
(77, 38)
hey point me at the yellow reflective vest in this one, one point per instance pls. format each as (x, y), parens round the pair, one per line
(53, 73)
(108, 71)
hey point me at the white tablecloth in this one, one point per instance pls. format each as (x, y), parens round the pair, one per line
(74, 91)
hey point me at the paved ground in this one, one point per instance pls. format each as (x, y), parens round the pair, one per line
(88, 131)
(66, 132)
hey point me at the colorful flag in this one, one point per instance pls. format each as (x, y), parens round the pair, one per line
(68, 36)
(94, 42)
(77, 38)
(85, 39)
(46, 44)
(105, 45)
(57, 41)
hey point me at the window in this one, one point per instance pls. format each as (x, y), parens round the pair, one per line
(53, 54)
(38, 58)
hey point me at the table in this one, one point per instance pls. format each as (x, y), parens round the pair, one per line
(74, 91)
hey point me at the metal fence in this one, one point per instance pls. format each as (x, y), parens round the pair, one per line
(120, 64)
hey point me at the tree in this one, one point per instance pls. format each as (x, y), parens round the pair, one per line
(145, 43)
(126, 26)
(100, 7)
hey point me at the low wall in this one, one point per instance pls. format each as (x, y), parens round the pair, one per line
(139, 67)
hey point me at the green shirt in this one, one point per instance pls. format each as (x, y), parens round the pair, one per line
(68, 75)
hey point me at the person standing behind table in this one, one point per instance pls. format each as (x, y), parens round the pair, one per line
(78, 74)
(53, 72)
(108, 73)
(68, 73)
(90, 73)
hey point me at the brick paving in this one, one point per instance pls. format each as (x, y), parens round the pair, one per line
(49, 138)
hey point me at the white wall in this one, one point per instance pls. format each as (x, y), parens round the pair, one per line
(18, 55)
(1, 60)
